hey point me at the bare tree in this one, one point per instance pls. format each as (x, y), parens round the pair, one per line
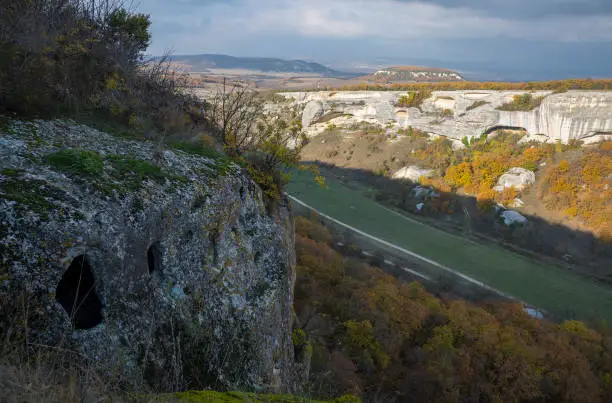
(236, 110)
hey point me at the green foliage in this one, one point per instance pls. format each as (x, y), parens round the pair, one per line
(57, 59)
(414, 99)
(77, 162)
(524, 102)
(130, 30)
(363, 345)
(135, 169)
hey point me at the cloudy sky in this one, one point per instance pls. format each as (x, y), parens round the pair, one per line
(495, 39)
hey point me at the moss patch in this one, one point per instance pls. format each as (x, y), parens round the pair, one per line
(197, 150)
(31, 194)
(76, 162)
(115, 173)
(231, 397)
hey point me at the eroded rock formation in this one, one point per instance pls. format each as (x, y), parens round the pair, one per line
(156, 275)
(574, 115)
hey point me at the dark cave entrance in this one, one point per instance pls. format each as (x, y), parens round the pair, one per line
(154, 258)
(507, 128)
(76, 292)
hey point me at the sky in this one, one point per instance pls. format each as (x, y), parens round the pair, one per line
(485, 39)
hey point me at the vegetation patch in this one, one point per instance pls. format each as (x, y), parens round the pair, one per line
(77, 162)
(414, 99)
(198, 149)
(32, 195)
(523, 102)
(543, 285)
(387, 332)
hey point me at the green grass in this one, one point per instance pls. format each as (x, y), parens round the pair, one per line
(548, 287)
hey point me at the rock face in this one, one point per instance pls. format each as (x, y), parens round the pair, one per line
(314, 111)
(160, 275)
(412, 173)
(574, 115)
(511, 217)
(516, 177)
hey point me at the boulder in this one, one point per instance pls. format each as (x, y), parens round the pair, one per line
(516, 177)
(123, 260)
(412, 173)
(313, 111)
(512, 217)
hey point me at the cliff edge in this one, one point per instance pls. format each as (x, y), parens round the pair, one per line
(167, 272)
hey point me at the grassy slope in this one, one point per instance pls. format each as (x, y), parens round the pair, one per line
(548, 287)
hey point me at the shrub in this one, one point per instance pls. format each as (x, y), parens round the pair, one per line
(582, 189)
(459, 175)
(414, 99)
(524, 102)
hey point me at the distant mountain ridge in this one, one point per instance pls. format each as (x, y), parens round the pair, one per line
(205, 62)
(415, 73)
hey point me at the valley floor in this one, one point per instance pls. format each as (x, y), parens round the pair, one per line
(553, 289)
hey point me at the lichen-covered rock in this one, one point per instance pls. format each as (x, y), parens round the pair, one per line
(161, 274)
(517, 177)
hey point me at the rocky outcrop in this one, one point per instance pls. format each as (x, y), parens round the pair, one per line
(412, 173)
(518, 178)
(574, 115)
(511, 217)
(155, 274)
(313, 111)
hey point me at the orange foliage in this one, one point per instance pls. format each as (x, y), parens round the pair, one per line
(388, 331)
(507, 195)
(582, 189)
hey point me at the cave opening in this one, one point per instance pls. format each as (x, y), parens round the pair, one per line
(154, 258)
(76, 293)
(505, 128)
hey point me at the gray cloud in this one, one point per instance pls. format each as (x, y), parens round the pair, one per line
(529, 8)
(558, 36)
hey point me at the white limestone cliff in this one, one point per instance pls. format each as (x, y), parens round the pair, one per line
(574, 115)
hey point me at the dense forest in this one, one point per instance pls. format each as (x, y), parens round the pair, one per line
(372, 335)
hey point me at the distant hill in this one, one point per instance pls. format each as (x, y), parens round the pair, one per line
(206, 62)
(415, 73)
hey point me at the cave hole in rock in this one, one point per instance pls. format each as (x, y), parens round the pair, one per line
(213, 238)
(76, 293)
(154, 258)
(242, 192)
(506, 128)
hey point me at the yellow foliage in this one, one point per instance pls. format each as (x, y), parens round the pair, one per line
(459, 175)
